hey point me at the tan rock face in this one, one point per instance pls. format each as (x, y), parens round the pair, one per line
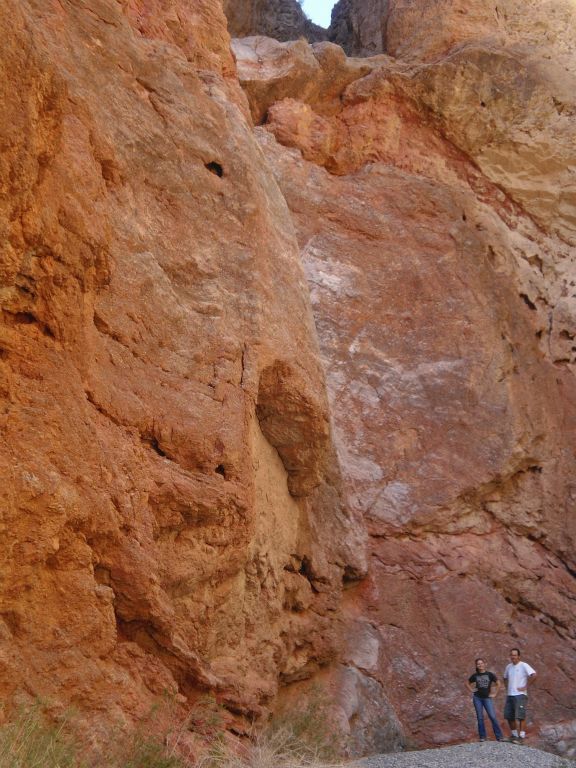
(270, 71)
(165, 436)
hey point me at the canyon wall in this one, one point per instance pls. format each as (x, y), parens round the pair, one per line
(359, 26)
(171, 513)
(294, 404)
(433, 193)
(280, 19)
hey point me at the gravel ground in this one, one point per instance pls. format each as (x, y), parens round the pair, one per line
(477, 755)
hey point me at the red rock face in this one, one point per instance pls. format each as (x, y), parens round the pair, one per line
(442, 285)
(448, 452)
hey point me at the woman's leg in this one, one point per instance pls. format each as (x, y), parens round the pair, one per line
(478, 706)
(489, 707)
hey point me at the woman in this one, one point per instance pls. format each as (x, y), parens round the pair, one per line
(484, 685)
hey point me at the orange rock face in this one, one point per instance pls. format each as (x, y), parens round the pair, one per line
(243, 369)
(165, 434)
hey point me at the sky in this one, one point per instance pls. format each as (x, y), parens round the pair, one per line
(319, 11)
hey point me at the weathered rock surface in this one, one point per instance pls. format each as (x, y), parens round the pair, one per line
(440, 253)
(166, 488)
(450, 435)
(280, 19)
(429, 29)
(182, 498)
(270, 71)
(359, 26)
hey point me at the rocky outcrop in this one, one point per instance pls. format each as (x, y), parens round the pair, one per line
(271, 72)
(359, 26)
(280, 19)
(442, 285)
(294, 403)
(166, 451)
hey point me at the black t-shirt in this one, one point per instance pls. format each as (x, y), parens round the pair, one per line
(483, 682)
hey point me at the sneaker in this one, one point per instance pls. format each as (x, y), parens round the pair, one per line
(482, 739)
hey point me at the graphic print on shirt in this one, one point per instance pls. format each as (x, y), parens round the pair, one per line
(483, 681)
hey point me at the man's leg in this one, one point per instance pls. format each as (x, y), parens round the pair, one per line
(521, 715)
(510, 716)
(478, 706)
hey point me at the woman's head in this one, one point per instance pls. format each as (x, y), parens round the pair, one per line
(480, 665)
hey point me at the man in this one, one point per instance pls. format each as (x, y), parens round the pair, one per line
(517, 675)
(484, 685)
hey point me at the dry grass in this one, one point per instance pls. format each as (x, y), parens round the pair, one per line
(31, 742)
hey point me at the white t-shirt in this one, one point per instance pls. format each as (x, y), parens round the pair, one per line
(517, 676)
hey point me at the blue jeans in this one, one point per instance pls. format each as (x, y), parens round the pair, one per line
(486, 704)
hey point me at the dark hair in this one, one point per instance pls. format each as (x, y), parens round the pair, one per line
(479, 659)
(517, 651)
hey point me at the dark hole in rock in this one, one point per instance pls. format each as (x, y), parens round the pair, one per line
(535, 468)
(102, 575)
(464, 217)
(215, 168)
(306, 569)
(350, 575)
(153, 443)
(25, 318)
(539, 333)
(482, 103)
(221, 470)
(527, 301)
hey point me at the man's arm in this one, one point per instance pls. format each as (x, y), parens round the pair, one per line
(531, 676)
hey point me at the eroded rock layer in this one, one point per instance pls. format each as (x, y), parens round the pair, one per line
(167, 482)
(183, 498)
(280, 19)
(434, 201)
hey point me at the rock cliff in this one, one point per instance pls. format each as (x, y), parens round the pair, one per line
(433, 194)
(292, 402)
(280, 19)
(359, 26)
(168, 486)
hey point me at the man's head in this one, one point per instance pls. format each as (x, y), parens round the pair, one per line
(514, 655)
(480, 665)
